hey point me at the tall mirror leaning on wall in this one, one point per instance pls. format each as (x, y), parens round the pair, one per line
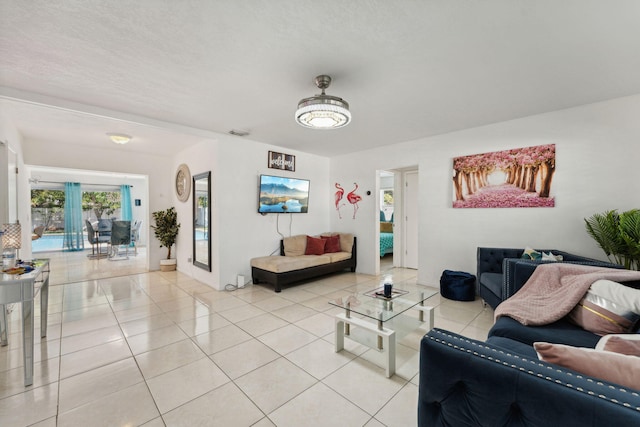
(202, 220)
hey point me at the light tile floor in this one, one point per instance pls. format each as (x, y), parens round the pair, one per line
(76, 266)
(159, 349)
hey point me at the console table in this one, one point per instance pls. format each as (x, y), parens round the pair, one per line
(23, 288)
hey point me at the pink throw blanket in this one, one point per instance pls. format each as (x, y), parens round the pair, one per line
(554, 289)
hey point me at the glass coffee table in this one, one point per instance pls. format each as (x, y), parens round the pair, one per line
(373, 310)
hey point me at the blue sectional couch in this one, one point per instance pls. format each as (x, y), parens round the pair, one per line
(465, 382)
(502, 271)
(501, 382)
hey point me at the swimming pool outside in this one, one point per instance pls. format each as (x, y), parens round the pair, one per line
(52, 242)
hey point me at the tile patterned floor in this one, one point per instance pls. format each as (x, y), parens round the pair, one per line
(161, 349)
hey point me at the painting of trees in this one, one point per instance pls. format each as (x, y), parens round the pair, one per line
(515, 178)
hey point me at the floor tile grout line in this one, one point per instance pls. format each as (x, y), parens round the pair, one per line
(391, 398)
(175, 282)
(347, 398)
(144, 378)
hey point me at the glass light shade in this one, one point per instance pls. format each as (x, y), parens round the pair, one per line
(323, 117)
(119, 138)
(323, 112)
(12, 237)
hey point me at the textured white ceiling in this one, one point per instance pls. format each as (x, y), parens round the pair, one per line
(408, 68)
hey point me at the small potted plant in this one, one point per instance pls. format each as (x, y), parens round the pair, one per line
(166, 231)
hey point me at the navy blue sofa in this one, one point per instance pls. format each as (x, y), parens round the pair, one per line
(502, 271)
(501, 382)
(512, 335)
(465, 382)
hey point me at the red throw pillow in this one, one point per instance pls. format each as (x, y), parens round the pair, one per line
(332, 243)
(315, 246)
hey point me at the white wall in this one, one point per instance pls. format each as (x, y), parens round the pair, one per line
(238, 232)
(4, 178)
(12, 139)
(597, 154)
(157, 168)
(598, 151)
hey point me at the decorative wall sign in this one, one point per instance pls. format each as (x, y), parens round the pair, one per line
(517, 178)
(282, 161)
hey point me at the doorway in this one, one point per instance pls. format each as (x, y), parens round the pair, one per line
(398, 216)
(386, 219)
(101, 200)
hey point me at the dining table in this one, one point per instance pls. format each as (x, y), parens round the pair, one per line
(22, 284)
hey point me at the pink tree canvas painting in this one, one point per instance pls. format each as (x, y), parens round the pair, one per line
(517, 178)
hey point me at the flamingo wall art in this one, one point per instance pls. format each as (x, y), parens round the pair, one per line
(338, 199)
(354, 198)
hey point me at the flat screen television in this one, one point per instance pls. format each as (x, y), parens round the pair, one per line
(283, 195)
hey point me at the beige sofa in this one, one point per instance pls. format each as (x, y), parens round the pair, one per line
(292, 265)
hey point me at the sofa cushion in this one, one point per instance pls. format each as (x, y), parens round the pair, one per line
(612, 367)
(338, 256)
(530, 253)
(608, 308)
(492, 281)
(346, 241)
(513, 346)
(282, 264)
(548, 256)
(332, 244)
(622, 343)
(315, 246)
(562, 332)
(623, 295)
(295, 245)
(591, 315)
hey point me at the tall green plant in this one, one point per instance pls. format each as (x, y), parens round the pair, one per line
(166, 228)
(618, 235)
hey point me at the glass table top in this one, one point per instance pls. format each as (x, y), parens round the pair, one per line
(371, 302)
(24, 270)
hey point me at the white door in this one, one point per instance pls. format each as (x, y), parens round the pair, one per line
(411, 219)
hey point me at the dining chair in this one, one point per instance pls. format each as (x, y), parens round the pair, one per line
(96, 240)
(135, 235)
(104, 227)
(37, 232)
(120, 236)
